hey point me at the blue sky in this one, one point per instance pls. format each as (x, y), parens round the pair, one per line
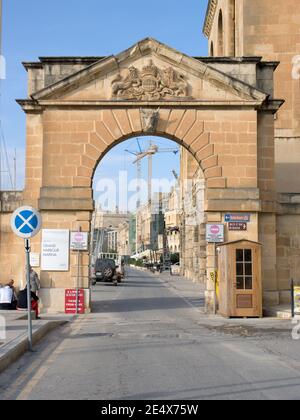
(34, 28)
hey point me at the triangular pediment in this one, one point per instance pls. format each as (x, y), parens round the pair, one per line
(150, 71)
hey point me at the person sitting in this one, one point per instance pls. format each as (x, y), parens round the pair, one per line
(7, 301)
(22, 302)
(11, 285)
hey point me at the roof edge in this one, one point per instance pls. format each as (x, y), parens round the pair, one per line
(209, 18)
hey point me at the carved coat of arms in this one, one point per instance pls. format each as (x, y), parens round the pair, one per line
(150, 83)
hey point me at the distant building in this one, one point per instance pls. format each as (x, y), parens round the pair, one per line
(127, 237)
(193, 243)
(173, 220)
(112, 241)
(106, 230)
(151, 223)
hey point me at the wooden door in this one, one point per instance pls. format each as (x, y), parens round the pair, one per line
(246, 287)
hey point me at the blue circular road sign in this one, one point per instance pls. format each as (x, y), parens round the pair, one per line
(26, 222)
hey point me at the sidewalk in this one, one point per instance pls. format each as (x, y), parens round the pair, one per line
(191, 289)
(193, 293)
(15, 343)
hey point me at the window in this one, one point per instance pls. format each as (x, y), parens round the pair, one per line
(211, 49)
(196, 234)
(244, 269)
(220, 35)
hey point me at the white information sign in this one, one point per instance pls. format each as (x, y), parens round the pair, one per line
(55, 250)
(34, 259)
(215, 233)
(79, 241)
(26, 222)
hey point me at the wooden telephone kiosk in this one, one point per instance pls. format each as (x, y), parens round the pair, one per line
(240, 284)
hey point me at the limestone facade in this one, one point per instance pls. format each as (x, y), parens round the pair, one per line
(270, 29)
(267, 29)
(173, 218)
(221, 111)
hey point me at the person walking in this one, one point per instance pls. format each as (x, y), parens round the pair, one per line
(35, 284)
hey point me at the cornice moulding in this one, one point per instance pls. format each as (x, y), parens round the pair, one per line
(210, 16)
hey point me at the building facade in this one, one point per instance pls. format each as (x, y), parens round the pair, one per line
(193, 241)
(124, 246)
(173, 217)
(267, 29)
(270, 29)
(150, 222)
(78, 108)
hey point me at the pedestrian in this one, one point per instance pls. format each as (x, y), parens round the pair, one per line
(11, 284)
(22, 302)
(35, 284)
(7, 299)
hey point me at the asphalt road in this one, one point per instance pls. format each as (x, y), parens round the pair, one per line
(149, 340)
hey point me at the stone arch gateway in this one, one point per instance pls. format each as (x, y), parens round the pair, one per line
(221, 110)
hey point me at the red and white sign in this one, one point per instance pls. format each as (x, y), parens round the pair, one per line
(79, 241)
(215, 233)
(70, 301)
(215, 230)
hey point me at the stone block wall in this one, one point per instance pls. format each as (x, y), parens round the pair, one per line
(268, 29)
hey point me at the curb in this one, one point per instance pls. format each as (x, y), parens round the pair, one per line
(275, 313)
(15, 348)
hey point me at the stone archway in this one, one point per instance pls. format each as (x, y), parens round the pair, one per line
(79, 109)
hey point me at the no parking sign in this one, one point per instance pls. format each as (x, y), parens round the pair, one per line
(215, 233)
(26, 222)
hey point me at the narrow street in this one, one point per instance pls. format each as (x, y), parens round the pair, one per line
(149, 340)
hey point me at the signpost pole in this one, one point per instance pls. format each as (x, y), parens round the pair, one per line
(26, 223)
(77, 285)
(293, 298)
(215, 282)
(78, 276)
(27, 250)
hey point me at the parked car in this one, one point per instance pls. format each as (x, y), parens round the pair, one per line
(175, 269)
(107, 270)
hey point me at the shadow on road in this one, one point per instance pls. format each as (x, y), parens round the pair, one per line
(139, 304)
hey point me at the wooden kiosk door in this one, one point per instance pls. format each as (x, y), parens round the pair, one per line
(246, 288)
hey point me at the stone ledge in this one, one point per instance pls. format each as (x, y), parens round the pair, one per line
(288, 203)
(66, 204)
(10, 201)
(232, 194)
(221, 205)
(82, 193)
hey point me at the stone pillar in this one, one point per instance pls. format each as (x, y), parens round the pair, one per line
(34, 158)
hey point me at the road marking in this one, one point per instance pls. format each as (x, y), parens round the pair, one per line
(24, 380)
(49, 362)
(173, 290)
